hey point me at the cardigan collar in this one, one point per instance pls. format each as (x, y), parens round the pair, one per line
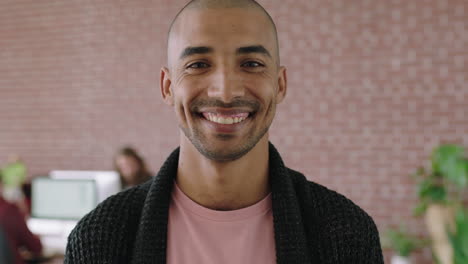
(290, 239)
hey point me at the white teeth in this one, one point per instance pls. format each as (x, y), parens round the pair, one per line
(226, 121)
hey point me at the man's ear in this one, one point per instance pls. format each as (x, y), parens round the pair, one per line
(166, 87)
(282, 85)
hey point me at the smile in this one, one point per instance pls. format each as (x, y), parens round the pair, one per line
(225, 119)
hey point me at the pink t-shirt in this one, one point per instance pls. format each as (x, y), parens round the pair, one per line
(198, 235)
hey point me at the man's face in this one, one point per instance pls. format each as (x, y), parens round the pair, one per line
(223, 80)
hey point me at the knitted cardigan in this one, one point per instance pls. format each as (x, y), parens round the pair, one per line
(312, 224)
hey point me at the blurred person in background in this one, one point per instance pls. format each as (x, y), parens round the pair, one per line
(14, 177)
(131, 168)
(14, 226)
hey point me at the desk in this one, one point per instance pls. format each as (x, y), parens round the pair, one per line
(55, 259)
(53, 234)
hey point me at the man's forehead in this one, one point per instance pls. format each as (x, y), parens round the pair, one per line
(238, 27)
(220, 20)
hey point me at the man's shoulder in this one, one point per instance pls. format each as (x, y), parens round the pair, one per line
(109, 228)
(333, 221)
(330, 206)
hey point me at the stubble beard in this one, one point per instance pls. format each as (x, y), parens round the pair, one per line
(223, 154)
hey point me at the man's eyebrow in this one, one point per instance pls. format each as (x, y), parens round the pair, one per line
(195, 50)
(253, 49)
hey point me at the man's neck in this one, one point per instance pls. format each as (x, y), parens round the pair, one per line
(224, 185)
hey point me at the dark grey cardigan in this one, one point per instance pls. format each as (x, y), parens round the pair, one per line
(312, 223)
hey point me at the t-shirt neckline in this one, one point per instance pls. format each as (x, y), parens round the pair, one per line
(257, 209)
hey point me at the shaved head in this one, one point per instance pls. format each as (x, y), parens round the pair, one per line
(252, 5)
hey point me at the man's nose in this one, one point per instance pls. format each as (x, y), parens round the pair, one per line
(226, 85)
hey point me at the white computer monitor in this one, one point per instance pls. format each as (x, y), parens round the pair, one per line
(62, 199)
(107, 182)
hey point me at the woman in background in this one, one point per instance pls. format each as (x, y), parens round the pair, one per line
(131, 168)
(16, 234)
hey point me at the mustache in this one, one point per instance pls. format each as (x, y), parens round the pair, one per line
(198, 104)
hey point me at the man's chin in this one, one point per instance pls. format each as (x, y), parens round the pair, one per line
(222, 154)
(222, 147)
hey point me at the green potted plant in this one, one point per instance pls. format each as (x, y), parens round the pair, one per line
(14, 174)
(402, 243)
(459, 238)
(440, 191)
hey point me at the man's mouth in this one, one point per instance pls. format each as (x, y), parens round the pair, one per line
(225, 118)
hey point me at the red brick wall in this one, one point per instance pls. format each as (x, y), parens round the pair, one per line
(374, 85)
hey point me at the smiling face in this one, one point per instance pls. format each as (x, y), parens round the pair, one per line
(223, 79)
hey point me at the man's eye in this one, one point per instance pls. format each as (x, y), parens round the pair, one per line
(252, 64)
(198, 65)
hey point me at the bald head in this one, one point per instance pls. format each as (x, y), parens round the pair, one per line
(206, 4)
(200, 5)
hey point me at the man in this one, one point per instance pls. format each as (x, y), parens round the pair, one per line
(225, 196)
(15, 231)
